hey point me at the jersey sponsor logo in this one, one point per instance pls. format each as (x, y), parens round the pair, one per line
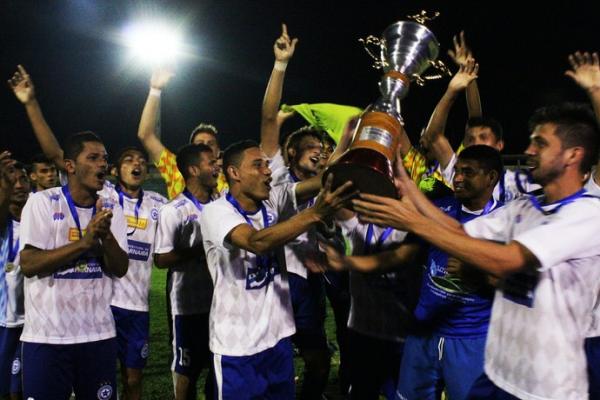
(260, 277)
(74, 234)
(158, 199)
(270, 218)
(58, 216)
(54, 197)
(137, 223)
(16, 366)
(105, 392)
(85, 267)
(154, 214)
(180, 203)
(139, 251)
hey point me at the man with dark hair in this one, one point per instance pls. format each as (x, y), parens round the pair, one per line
(129, 302)
(14, 190)
(43, 173)
(251, 316)
(545, 252)
(71, 249)
(179, 247)
(484, 130)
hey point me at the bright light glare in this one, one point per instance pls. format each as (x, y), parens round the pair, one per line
(154, 43)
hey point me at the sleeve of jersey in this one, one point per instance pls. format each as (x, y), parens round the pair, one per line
(36, 222)
(167, 167)
(217, 221)
(493, 226)
(448, 172)
(573, 232)
(118, 227)
(168, 222)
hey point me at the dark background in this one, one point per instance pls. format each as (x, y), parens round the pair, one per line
(83, 81)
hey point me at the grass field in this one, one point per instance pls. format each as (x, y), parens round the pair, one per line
(157, 376)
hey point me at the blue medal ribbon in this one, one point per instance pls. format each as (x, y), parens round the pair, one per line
(560, 203)
(136, 210)
(193, 199)
(12, 249)
(369, 237)
(73, 209)
(490, 206)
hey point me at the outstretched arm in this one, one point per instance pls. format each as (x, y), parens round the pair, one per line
(24, 90)
(434, 136)
(147, 131)
(402, 256)
(283, 49)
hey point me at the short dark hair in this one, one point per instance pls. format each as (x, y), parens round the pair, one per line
(126, 150)
(233, 154)
(294, 139)
(203, 128)
(488, 122)
(327, 139)
(487, 157)
(576, 126)
(190, 155)
(74, 144)
(40, 158)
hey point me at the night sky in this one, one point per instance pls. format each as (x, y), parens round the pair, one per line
(83, 81)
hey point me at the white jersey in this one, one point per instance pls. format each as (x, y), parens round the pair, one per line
(539, 320)
(71, 305)
(190, 286)
(594, 189)
(510, 186)
(298, 249)
(251, 308)
(131, 291)
(12, 308)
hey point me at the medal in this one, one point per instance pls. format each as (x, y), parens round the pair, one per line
(8, 267)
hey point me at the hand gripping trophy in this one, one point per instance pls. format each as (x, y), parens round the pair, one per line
(406, 50)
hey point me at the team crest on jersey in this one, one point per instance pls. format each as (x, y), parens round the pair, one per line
(16, 366)
(154, 214)
(137, 223)
(58, 216)
(105, 392)
(145, 351)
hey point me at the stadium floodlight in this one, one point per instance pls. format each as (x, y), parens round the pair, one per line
(153, 43)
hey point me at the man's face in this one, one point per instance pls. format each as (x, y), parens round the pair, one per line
(255, 174)
(207, 139)
(21, 188)
(308, 157)
(43, 175)
(90, 166)
(470, 180)
(207, 170)
(133, 169)
(482, 135)
(546, 156)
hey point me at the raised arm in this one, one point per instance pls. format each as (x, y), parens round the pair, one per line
(460, 55)
(283, 49)
(148, 129)
(264, 240)
(434, 136)
(586, 74)
(24, 90)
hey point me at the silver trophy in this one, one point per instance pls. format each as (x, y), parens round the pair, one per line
(405, 50)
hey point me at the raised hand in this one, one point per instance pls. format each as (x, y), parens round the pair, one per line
(585, 70)
(284, 47)
(161, 77)
(328, 201)
(283, 116)
(466, 74)
(461, 53)
(22, 85)
(384, 211)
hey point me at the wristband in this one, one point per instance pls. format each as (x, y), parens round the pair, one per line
(154, 92)
(280, 66)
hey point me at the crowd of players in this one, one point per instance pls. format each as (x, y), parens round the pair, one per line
(480, 282)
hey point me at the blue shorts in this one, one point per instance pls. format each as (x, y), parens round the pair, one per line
(265, 375)
(308, 302)
(592, 352)
(54, 371)
(190, 344)
(10, 360)
(432, 363)
(133, 329)
(484, 389)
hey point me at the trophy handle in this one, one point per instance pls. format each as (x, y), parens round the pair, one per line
(423, 17)
(439, 65)
(373, 41)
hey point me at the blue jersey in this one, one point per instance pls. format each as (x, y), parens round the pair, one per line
(448, 306)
